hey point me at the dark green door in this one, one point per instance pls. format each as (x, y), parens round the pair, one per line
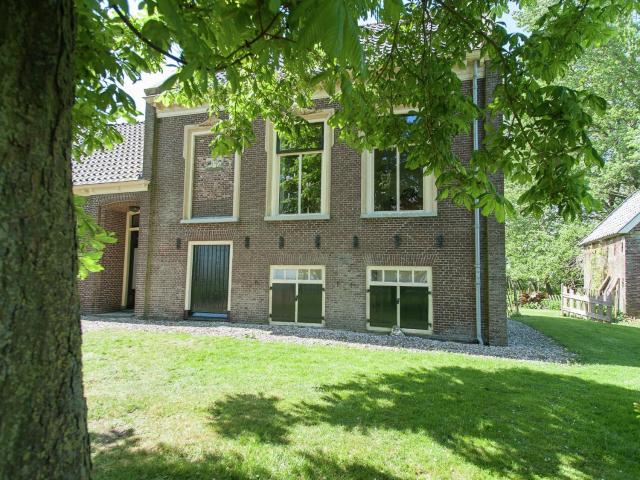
(210, 279)
(383, 308)
(414, 308)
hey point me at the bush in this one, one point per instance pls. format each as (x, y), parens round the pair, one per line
(551, 304)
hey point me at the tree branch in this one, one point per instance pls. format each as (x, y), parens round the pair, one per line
(144, 39)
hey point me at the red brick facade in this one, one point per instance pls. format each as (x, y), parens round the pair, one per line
(444, 242)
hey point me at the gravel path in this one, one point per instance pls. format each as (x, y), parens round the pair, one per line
(525, 343)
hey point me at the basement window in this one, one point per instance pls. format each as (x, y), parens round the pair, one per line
(400, 297)
(297, 295)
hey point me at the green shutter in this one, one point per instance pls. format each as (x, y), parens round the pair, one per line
(309, 303)
(382, 306)
(414, 308)
(283, 302)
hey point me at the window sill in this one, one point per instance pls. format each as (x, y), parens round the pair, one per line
(198, 220)
(410, 331)
(296, 217)
(414, 213)
(298, 324)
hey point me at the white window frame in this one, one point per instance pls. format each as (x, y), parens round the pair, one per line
(399, 284)
(191, 133)
(127, 239)
(187, 288)
(273, 170)
(298, 282)
(429, 192)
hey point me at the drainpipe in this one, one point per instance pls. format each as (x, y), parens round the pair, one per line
(476, 146)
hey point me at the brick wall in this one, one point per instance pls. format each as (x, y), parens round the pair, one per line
(212, 189)
(632, 273)
(453, 263)
(102, 291)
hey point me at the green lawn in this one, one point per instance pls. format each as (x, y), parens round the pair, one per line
(176, 406)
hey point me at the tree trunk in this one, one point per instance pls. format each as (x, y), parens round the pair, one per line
(43, 426)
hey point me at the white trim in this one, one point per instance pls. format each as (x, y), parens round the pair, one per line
(297, 217)
(197, 220)
(191, 132)
(177, 111)
(111, 187)
(399, 284)
(297, 282)
(187, 289)
(273, 171)
(125, 270)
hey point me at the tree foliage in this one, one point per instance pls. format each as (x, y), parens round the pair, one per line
(267, 58)
(545, 250)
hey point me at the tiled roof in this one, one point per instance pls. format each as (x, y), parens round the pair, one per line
(120, 164)
(622, 220)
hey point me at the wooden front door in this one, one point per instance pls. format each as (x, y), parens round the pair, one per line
(210, 280)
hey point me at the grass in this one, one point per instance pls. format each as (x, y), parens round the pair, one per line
(176, 406)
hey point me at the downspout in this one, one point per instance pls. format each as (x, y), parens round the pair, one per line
(476, 147)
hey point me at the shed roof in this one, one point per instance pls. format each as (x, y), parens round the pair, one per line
(622, 220)
(121, 163)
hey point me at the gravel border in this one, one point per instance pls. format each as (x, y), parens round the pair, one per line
(525, 343)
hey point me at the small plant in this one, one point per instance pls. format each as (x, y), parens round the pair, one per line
(550, 304)
(636, 408)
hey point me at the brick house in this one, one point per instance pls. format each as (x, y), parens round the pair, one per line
(612, 256)
(320, 236)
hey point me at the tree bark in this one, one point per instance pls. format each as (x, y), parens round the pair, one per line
(43, 425)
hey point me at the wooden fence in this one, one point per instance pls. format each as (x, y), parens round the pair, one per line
(589, 304)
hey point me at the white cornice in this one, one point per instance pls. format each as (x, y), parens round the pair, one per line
(113, 187)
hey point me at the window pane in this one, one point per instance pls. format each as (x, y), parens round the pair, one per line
(406, 276)
(311, 169)
(414, 308)
(135, 220)
(384, 180)
(315, 274)
(376, 275)
(314, 140)
(390, 275)
(288, 202)
(278, 274)
(303, 274)
(290, 274)
(420, 276)
(382, 306)
(411, 186)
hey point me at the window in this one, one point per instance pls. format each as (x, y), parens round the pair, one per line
(391, 188)
(297, 295)
(211, 185)
(298, 177)
(400, 296)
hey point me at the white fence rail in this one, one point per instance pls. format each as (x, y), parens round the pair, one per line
(589, 305)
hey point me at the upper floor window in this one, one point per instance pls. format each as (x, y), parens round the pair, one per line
(298, 172)
(300, 167)
(391, 188)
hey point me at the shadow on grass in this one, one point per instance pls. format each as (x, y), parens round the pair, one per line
(249, 415)
(128, 462)
(512, 422)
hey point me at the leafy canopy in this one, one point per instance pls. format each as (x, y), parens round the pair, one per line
(249, 58)
(546, 250)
